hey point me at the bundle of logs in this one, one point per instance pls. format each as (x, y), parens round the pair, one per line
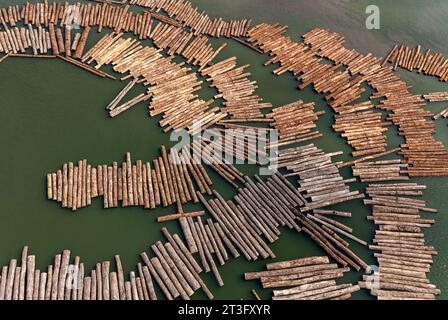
(326, 233)
(436, 96)
(425, 155)
(255, 214)
(340, 87)
(41, 41)
(404, 259)
(295, 123)
(199, 22)
(362, 128)
(414, 59)
(383, 170)
(443, 113)
(172, 268)
(220, 165)
(140, 184)
(121, 18)
(176, 41)
(236, 142)
(171, 86)
(310, 278)
(236, 89)
(319, 178)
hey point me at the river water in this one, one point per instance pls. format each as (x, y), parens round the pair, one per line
(52, 112)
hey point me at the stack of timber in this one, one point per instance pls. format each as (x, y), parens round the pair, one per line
(383, 170)
(295, 122)
(363, 128)
(327, 232)
(404, 260)
(199, 22)
(139, 184)
(436, 96)
(318, 176)
(236, 89)
(425, 155)
(422, 62)
(310, 278)
(171, 86)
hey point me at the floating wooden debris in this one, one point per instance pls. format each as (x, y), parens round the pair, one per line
(226, 170)
(384, 170)
(310, 278)
(295, 122)
(404, 259)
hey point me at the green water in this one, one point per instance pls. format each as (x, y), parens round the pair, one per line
(53, 112)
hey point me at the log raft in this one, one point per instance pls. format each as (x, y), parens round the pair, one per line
(404, 259)
(174, 179)
(310, 278)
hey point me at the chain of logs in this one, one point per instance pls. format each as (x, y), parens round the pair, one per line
(199, 22)
(404, 260)
(295, 123)
(148, 184)
(415, 59)
(310, 278)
